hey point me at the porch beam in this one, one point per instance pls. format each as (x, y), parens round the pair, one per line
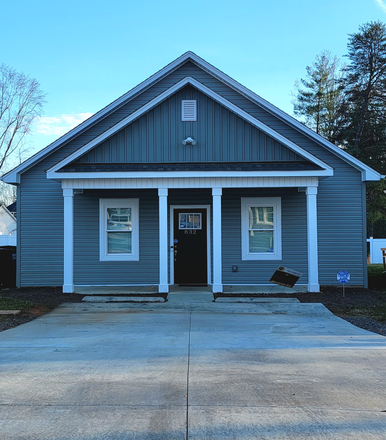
(312, 239)
(163, 240)
(68, 244)
(217, 252)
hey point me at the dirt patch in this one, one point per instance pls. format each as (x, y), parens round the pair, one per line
(44, 299)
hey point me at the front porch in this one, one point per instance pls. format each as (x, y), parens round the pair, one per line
(220, 254)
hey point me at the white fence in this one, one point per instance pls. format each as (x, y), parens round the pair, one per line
(375, 249)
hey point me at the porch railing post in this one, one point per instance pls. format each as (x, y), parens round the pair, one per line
(312, 239)
(68, 237)
(163, 240)
(217, 252)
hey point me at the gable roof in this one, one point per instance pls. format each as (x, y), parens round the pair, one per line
(13, 176)
(12, 207)
(326, 169)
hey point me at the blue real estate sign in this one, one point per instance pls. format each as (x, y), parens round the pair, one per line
(343, 276)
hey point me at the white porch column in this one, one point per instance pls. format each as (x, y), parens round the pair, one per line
(68, 245)
(163, 240)
(312, 239)
(217, 254)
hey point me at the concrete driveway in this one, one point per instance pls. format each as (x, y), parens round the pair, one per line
(197, 370)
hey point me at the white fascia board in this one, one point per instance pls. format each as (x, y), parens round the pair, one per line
(178, 174)
(13, 176)
(154, 102)
(368, 173)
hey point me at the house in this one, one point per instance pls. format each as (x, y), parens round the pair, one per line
(12, 209)
(8, 232)
(190, 178)
(8, 227)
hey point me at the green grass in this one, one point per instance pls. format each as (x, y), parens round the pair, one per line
(14, 304)
(376, 312)
(377, 279)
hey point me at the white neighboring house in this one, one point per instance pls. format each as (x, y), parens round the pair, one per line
(8, 228)
(376, 246)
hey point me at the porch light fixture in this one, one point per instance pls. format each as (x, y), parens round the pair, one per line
(189, 141)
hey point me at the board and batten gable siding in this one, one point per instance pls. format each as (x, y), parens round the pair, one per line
(221, 136)
(41, 200)
(88, 270)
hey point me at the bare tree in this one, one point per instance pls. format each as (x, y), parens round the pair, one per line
(21, 101)
(7, 194)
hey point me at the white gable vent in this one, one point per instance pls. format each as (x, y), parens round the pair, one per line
(189, 110)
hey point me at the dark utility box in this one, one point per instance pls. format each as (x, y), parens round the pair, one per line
(7, 267)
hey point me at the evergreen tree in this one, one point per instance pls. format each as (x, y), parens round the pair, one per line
(365, 90)
(349, 108)
(365, 134)
(319, 98)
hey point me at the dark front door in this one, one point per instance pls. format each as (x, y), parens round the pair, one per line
(190, 247)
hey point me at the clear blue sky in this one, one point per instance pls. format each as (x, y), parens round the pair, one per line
(87, 53)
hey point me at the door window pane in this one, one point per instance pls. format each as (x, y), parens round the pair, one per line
(182, 221)
(189, 221)
(197, 221)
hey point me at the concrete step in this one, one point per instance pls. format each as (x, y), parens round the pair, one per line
(238, 299)
(122, 298)
(115, 290)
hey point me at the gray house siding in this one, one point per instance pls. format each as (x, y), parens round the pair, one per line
(41, 202)
(41, 230)
(340, 226)
(294, 237)
(221, 137)
(88, 270)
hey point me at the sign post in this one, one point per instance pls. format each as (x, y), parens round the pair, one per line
(343, 277)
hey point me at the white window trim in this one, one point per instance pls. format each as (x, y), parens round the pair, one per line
(275, 202)
(118, 203)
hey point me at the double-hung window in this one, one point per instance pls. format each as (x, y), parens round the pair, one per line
(261, 228)
(118, 229)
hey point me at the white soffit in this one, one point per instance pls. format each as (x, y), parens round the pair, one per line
(188, 80)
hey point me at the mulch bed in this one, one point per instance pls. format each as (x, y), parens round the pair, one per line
(45, 299)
